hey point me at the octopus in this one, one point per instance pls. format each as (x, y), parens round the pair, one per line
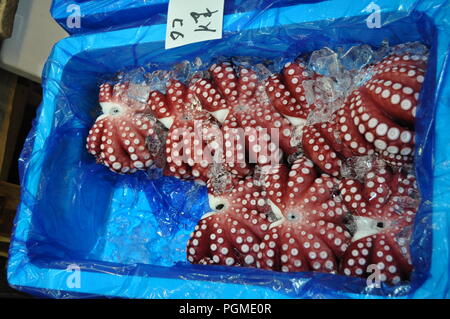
(118, 138)
(231, 233)
(383, 205)
(193, 143)
(235, 97)
(310, 233)
(377, 117)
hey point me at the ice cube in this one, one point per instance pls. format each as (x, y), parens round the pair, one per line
(362, 77)
(296, 138)
(325, 61)
(357, 57)
(357, 167)
(344, 83)
(262, 71)
(415, 48)
(157, 80)
(295, 156)
(242, 62)
(221, 180)
(326, 90)
(184, 70)
(156, 144)
(382, 52)
(136, 75)
(139, 91)
(259, 174)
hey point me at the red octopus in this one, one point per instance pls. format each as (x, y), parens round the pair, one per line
(192, 143)
(383, 206)
(230, 235)
(236, 99)
(377, 117)
(118, 139)
(310, 233)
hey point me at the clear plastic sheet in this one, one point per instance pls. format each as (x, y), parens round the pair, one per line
(83, 231)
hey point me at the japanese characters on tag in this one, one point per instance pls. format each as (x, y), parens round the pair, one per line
(193, 21)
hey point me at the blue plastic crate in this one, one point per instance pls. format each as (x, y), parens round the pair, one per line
(75, 212)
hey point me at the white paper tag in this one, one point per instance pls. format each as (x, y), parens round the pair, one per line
(190, 21)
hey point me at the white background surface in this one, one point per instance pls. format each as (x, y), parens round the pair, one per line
(34, 34)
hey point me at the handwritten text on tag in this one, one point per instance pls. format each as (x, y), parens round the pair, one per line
(193, 21)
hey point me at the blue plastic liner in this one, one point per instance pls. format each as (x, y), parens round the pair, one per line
(118, 14)
(125, 236)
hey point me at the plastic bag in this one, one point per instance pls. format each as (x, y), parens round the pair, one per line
(81, 230)
(112, 15)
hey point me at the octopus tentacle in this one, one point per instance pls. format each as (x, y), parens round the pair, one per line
(226, 81)
(235, 151)
(396, 59)
(383, 214)
(385, 107)
(176, 158)
(397, 99)
(317, 147)
(211, 99)
(287, 94)
(350, 129)
(276, 126)
(377, 117)
(386, 135)
(161, 108)
(248, 83)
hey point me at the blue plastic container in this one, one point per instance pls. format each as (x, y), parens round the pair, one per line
(108, 15)
(82, 230)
